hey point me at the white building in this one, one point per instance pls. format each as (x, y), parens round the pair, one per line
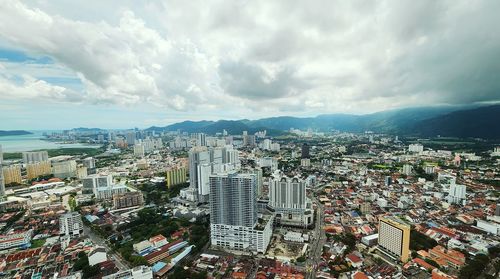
(13, 240)
(490, 227)
(305, 162)
(35, 157)
(64, 169)
(139, 150)
(140, 272)
(233, 214)
(268, 162)
(417, 148)
(70, 224)
(97, 256)
(205, 161)
(456, 195)
(407, 169)
(92, 182)
(287, 197)
(89, 163)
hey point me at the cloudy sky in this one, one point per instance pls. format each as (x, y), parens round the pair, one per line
(120, 64)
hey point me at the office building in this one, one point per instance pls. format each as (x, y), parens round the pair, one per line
(35, 157)
(233, 214)
(394, 238)
(70, 224)
(456, 195)
(305, 151)
(2, 181)
(287, 197)
(12, 174)
(64, 169)
(128, 199)
(175, 177)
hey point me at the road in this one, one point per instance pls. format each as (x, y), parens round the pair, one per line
(120, 263)
(316, 248)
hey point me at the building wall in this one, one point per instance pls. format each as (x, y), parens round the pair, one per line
(35, 170)
(12, 174)
(394, 237)
(175, 177)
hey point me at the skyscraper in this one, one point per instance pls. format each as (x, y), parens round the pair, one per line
(204, 161)
(305, 151)
(233, 199)
(2, 182)
(394, 238)
(130, 136)
(233, 214)
(287, 196)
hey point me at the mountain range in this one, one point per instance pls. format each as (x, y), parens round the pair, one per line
(449, 121)
(14, 133)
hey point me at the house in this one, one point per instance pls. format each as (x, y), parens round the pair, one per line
(354, 260)
(97, 256)
(158, 241)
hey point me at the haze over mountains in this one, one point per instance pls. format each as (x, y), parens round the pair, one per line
(480, 122)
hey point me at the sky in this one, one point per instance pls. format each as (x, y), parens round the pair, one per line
(127, 63)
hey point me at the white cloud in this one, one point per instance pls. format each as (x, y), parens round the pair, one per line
(257, 58)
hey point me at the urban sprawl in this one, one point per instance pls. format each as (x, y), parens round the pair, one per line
(156, 204)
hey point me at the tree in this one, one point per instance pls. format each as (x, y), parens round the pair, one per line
(91, 271)
(474, 267)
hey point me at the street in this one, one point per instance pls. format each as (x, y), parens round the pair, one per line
(317, 245)
(120, 263)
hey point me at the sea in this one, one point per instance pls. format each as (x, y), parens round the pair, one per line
(35, 142)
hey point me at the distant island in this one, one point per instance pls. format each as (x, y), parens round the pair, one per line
(14, 133)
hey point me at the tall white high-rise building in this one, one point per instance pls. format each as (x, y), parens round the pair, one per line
(35, 157)
(233, 214)
(2, 181)
(456, 195)
(139, 150)
(201, 139)
(287, 196)
(204, 161)
(131, 137)
(287, 193)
